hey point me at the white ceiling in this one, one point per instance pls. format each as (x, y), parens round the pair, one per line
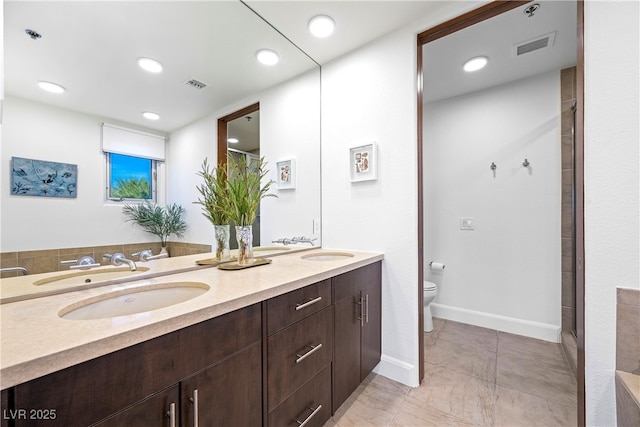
(91, 48)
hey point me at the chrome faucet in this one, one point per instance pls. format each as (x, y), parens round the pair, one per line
(283, 241)
(82, 263)
(8, 269)
(303, 239)
(147, 255)
(119, 259)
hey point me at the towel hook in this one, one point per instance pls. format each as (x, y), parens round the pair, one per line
(526, 163)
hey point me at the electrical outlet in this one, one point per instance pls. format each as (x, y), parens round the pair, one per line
(466, 223)
(316, 226)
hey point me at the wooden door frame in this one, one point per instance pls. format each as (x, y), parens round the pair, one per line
(222, 129)
(456, 24)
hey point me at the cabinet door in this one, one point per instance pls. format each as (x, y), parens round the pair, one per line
(159, 410)
(371, 339)
(226, 394)
(346, 334)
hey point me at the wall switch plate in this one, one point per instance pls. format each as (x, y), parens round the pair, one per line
(466, 223)
(316, 226)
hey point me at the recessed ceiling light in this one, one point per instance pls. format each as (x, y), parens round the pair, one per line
(267, 57)
(233, 140)
(51, 87)
(321, 26)
(475, 64)
(151, 65)
(150, 116)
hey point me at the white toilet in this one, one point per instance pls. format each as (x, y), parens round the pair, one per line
(430, 292)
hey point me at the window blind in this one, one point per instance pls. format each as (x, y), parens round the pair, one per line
(129, 142)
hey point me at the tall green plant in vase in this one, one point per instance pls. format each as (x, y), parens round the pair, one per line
(245, 190)
(214, 199)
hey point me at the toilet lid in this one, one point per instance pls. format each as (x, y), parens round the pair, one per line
(429, 286)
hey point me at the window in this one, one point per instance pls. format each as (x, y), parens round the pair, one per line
(133, 159)
(130, 177)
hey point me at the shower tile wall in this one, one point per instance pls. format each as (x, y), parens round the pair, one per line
(48, 260)
(568, 97)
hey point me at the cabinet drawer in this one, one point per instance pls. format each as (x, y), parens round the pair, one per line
(297, 353)
(312, 401)
(287, 309)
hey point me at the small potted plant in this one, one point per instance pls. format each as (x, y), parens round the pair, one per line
(214, 199)
(245, 191)
(158, 220)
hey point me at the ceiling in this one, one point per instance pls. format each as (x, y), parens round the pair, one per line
(91, 47)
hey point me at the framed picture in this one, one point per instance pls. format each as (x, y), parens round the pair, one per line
(31, 177)
(286, 174)
(363, 163)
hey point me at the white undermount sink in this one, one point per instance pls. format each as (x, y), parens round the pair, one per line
(89, 276)
(327, 256)
(134, 300)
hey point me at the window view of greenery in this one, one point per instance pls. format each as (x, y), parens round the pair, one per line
(130, 177)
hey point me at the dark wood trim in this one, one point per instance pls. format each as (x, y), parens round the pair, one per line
(463, 21)
(470, 18)
(420, 221)
(222, 129)
(579, 215)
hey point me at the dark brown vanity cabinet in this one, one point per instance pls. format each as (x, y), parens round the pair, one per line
(357, 335)
(153, 383)
(299, 351)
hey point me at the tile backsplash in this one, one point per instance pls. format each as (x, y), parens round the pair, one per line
(44, 261)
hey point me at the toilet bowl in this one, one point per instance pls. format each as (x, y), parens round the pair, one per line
(430, 292)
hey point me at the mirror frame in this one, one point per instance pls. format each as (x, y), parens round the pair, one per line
(459, 23)
(223, 123)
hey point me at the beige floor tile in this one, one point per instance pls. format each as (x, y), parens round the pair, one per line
(459, 395)
(413, 413)
(470, 359)
(465, 334)
(514, 408)
(534, 376)
(531, 348)
(359, 413)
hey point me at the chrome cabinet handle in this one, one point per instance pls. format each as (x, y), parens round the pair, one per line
(308, 303)
(366, 308)
(194, 401)
(361, 303)
(306, 420)
(172, 415)
(308, 353)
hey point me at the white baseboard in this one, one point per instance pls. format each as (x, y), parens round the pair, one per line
(398, 370)
(542, 331)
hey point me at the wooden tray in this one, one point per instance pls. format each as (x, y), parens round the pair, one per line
(236, 266)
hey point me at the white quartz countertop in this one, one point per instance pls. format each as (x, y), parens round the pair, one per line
(36, 341)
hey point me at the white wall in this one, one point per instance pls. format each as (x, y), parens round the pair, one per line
(612, 209)
(289, 128)
(38, 131)
(370, 95)
(504, 274)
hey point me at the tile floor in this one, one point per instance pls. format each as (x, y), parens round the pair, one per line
(473, 377)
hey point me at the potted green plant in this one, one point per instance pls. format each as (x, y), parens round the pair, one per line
(245, 190)
(214, 198)
(158, 220)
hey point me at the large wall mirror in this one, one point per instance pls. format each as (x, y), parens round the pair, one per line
(208, 53)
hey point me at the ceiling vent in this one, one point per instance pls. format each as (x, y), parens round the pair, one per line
(541, 42)
(196, 84)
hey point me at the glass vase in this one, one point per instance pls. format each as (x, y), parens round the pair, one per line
(222, 233)
(244, 234)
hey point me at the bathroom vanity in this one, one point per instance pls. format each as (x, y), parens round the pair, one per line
(275, 345)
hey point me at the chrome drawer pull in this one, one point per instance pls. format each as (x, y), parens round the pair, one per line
(308, 353)
(172, 415)
(306, 420)
(194, 401)
(308, 303)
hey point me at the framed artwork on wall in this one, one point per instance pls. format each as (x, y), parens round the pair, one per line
(363, 162)
(286, 174)
(31, 177)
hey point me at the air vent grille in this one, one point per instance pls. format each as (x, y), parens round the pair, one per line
(196, 84)
(541, 42)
